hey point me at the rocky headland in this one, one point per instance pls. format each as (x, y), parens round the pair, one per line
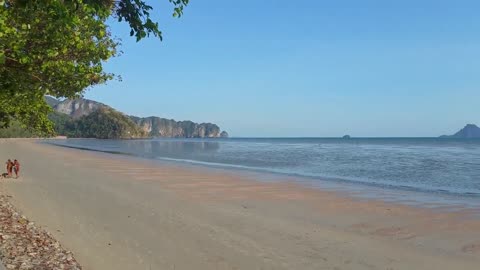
(85, 118)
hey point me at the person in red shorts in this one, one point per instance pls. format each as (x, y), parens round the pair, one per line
(16, 168)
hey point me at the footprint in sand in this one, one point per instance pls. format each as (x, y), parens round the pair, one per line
(397, 232)
(361, 227)
(471, 248)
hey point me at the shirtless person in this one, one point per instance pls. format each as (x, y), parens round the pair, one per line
(16, 168)
(9, 167)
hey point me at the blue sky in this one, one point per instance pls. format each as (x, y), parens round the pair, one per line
(306, 68)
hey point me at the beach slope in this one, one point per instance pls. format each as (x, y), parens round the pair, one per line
(115, 212)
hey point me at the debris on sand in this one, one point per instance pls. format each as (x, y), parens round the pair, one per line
(23, 245)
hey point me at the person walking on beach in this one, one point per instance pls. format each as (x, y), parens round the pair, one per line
(9, 167)
(16, 168)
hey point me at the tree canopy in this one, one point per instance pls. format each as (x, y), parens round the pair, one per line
(57, 48)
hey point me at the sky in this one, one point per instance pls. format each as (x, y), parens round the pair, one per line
(310, 68)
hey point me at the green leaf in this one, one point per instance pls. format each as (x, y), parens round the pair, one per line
(23, 60)
(64, 51)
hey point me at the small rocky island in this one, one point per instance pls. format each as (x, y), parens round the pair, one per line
(346, 137)
(224, 134)
(470, 131)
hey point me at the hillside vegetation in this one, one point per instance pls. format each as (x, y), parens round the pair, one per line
(101, 124)
(83, 118)
(15, 130)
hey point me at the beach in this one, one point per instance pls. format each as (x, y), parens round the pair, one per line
(117, 212)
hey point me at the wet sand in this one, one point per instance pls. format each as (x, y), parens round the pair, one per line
(115, 212)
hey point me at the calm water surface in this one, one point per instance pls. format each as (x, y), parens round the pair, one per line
(439, 167)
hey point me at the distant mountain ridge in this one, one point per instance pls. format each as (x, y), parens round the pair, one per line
(77, 108)
(470, 131)
(150, 126)
(51, 101)
(161, 127)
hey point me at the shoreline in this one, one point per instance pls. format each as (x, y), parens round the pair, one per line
(361, 190)
(109, 207)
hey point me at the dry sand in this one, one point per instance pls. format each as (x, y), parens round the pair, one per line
(119, 213)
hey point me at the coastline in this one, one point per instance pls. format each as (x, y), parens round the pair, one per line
(426, 195)
(117, 213)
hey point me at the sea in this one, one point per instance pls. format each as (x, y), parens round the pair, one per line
(432, 172)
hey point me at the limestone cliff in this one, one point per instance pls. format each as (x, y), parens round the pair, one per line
(150, 126)
(161, 127)
(77, 108)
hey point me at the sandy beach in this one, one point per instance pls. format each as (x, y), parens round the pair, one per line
(116, 212)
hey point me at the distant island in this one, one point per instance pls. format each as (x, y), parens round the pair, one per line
(470, 131)
(84, 118)
(346, 137)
